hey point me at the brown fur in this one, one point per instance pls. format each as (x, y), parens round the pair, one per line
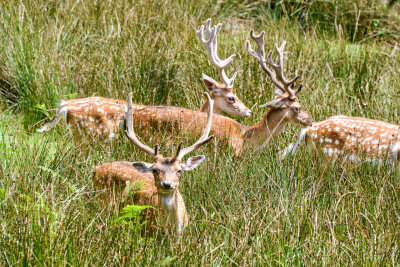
(180, 122)
(353, 135)
(114, 176)
(98, 118)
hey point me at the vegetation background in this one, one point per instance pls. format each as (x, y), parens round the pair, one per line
(243, 211)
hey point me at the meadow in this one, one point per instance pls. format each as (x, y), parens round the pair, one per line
(248, 210)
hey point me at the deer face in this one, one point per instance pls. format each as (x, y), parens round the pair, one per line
(225, 98)
(290, 107)
(166, 171)
(298, 115)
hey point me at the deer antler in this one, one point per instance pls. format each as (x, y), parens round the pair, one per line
(283, 83)
(212, 46)
(279, 68)
(180, 153)
(131, 134)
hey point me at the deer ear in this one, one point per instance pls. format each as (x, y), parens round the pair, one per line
(142, 167)
(277, 103)
(192, 163)
(210, 83)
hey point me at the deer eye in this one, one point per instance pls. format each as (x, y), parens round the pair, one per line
(231, 99)
(297, 109)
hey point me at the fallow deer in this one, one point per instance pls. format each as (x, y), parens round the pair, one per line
(223, 94)
(163, 188)
(353, 138)
(282, 109)
(101, 117)
(90, 117)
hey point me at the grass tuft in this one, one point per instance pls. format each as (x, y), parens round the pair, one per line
(252, 210)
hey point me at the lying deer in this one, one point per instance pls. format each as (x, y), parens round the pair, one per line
(351, 137)
(102, 118)
(162, 185)
(285, 107)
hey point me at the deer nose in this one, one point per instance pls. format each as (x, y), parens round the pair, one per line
(166, 185)
(248, 113)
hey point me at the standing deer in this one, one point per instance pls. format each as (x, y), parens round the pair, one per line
(163, 188)
(282, 109)
(102, 118)
(351, 137)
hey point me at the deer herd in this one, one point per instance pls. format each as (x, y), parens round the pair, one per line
(97, 118)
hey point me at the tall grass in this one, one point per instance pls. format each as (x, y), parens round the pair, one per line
(249, 210)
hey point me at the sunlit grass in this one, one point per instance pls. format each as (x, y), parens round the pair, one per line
(252, 210)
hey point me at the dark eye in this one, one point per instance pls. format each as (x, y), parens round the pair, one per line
(179, 171)
(231, 99)
(297, 109)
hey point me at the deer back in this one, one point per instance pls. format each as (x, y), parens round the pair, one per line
(183, 122)
(350, 136)
(95, 117)
(114, 175)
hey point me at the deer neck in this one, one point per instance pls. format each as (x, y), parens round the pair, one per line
(174, 209)
(272, 124)
(216, 110)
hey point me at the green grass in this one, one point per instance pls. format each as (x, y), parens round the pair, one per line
(250, 210)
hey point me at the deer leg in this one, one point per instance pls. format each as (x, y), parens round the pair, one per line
(291, 149)
(61, 112)
(395, 149)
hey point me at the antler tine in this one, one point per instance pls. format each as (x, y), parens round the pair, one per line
(131, 134)
(204, 138)
(179, 149)
(212, 48)
(208, 28)
(279, 68)
(260, 56)
(157, 150)
(260, 45)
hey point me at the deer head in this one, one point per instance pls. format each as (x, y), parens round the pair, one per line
(223, 94)
(167, 170)
(285, 97)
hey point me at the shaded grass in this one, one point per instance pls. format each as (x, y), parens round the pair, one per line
(249, 210)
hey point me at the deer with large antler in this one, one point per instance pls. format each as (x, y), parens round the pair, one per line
(102, 117)
(163, 188)
(282, 109)
(223, 94)
(353, 138)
